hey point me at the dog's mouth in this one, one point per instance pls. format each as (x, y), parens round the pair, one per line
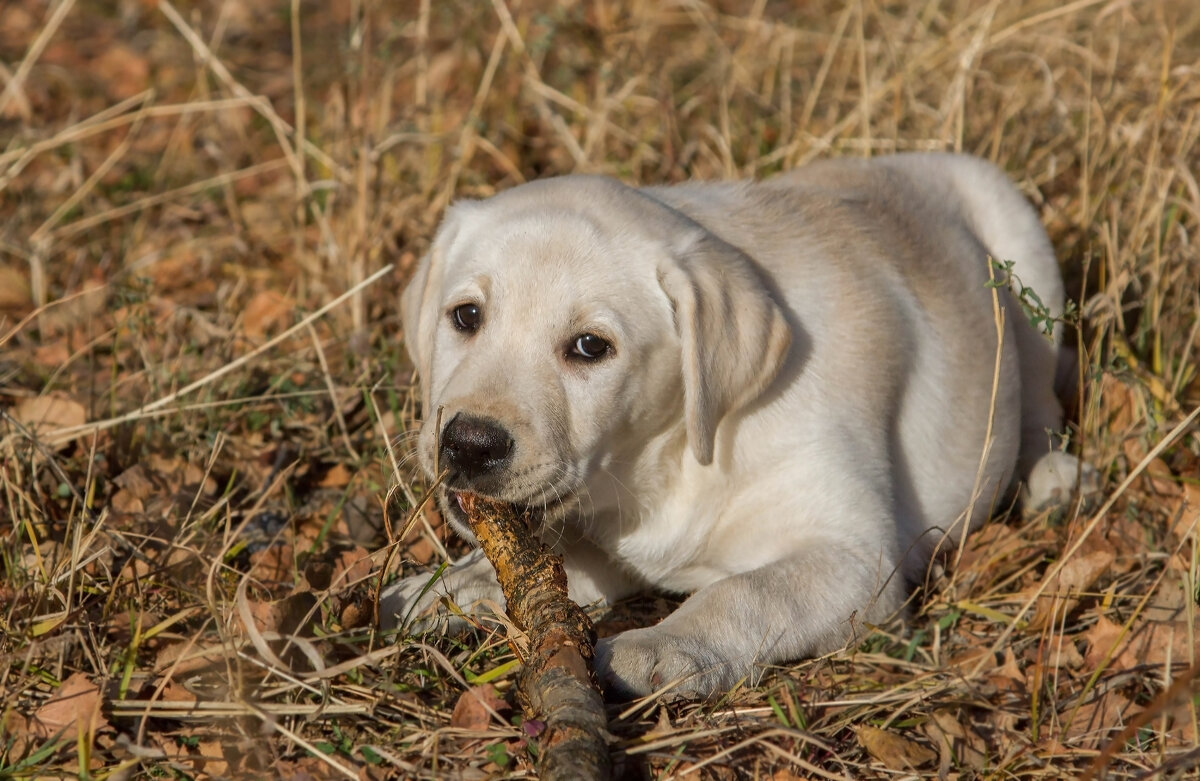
(542, 512)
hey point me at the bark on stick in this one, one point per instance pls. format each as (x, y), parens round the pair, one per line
(557, 681)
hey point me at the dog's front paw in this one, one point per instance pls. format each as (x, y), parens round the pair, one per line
(416, 603)
(1053, 481)
(413, 604)
(643, 661)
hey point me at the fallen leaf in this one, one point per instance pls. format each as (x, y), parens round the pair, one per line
(75, 704)
(136, 481)
(17, 23)
(785, 774)
(957, 740)
(1146, 643)
(300, 769)
(290, 615)
(184, 658)
(265, 311)
(77, 310)
(1183, 728)
(273, 564)
(15, 297)
(175, 691)
(355, 614)
(1157, 643)
(474, 708)
(1103, 638)
(1093, 723)
(1186, 517)
(1008, 676)
(337, 477)
(210, 758)
(418, 545)
(52, 354)
(46, 414)
(123, 71)
(894, 751)
(350, 567)
(1118, 403)
(1077, 575)
(126, 502)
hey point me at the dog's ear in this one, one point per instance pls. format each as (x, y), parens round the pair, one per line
(733, 334)
(419, 307)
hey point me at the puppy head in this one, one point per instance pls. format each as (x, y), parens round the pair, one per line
(562, 326)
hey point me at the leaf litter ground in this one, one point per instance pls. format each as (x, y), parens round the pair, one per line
(204, 471)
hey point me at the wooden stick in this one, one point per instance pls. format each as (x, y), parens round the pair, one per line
(557, 682)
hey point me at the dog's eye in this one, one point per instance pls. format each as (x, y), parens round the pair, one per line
(590, 347)
(466, 317)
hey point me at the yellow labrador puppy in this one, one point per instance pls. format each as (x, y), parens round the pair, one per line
(775, 397)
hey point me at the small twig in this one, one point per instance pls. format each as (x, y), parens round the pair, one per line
(557, 679)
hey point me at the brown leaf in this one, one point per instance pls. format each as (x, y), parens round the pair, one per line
(1103, 638)
(184, 658)
(290, 615)
(209, 757)
(1008, 676)
(52, 354)
(1157, 642)
(1077, 575)
(136, 481)
(273, 564)
(1094, 722)
(123, 71)
(1183, 726)
(1147, 643)
(336, 477)
(350, 567)
(47, 414)
(894, 751)
(1118, 403)
(355, 614)
(75, 704)
(264, 312)
(77, 310)
(786, 774)
(53, 411)
(1186, 517)
(15, 297)
(126, 502)
(419, 547)
(957, 740)
(473, 711)
(175, 691)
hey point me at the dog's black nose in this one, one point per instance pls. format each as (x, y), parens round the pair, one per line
(475, 446)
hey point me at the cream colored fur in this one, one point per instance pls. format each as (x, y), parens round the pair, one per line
(794, 413)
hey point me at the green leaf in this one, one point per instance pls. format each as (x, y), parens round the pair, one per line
(498, 753)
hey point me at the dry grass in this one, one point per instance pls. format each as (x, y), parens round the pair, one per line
(194, 199)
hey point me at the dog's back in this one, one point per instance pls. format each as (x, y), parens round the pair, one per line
(867, 251)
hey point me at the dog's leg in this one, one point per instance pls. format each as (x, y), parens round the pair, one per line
(471, 584)
(413, 603)
(810, 603)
